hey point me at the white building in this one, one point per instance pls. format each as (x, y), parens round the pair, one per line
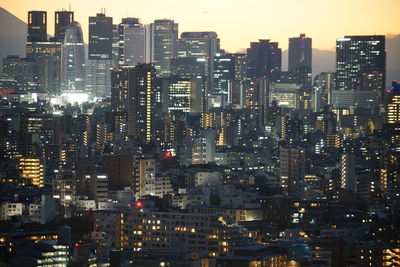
(43, 212)
(9, 210)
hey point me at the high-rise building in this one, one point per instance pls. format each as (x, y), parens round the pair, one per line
(200, 45)
(100, 37)
(264, 58)
(179, 94)
(300, 58)
(47, 58)
(134, 92)
(132, 37)
(21, 70)
(224, 73)
(37, 26)
(291, 171)
(73, 59)
(393, 106)
(240, 66)
(197, 70)
(98, 75)
(141, 101)
(120, 88)
(361, 66)
(61, 20)
(163, 45)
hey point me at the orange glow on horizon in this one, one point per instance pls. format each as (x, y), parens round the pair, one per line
(238, 23)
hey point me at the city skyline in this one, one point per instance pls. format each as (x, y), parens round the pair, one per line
(333, 21)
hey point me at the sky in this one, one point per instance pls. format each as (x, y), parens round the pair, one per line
(237, 22)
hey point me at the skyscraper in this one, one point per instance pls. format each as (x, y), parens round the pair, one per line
(163, 45)
(61, 21)
(98, 75)
(132, 39)
(73, 59)
(141, 101)
(224, 72)
(47, 58)
(37, 26)
(300, 58)
(264, 58)
(200, 45)
(100, 37)
(361, 65)
(133, 92)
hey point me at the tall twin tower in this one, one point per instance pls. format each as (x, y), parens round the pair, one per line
(61, 59)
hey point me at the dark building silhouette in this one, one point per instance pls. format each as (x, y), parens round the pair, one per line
(300, 58)
(264, 58)
(163, 38)
(37, 26)
(61, 21)
(100, 37)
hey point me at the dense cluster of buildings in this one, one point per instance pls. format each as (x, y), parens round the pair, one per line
(160, 150)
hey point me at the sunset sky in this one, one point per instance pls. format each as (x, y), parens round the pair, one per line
(238, 22)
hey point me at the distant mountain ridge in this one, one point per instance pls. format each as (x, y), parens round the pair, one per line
(12, 34)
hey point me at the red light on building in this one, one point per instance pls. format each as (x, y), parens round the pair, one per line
(77, 245)
(139, 204)
(167, 155)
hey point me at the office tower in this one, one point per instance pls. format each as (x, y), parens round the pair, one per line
(264, 58)
(133, 91)
(360, 69)
(119, 89)
(291, 170)
(300, 58)
(47, 58)
(141, 101)
(131, 42)
(179, 94)
(198, 44)
(163, 45)
(98, 75)
(393, 106)
(73, 59)
(240, 66)
(224, 73)
(300, 51)
(197, 70)
(201, 45)
(37, 26)
(22, 71)
(100, 37)
(61, 21)
(120, 85)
